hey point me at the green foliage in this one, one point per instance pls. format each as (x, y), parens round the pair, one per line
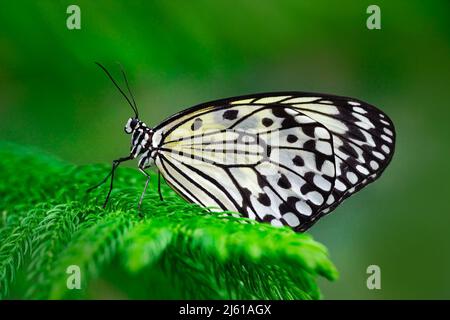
(173, 250)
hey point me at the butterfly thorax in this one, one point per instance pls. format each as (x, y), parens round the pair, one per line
(141, 145)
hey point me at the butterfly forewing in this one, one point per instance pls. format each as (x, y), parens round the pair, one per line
(284, 158)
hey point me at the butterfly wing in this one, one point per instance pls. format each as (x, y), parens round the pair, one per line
(287, 158)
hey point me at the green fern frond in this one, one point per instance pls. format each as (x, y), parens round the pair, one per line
(16, 245)
(50, 237)
(172, 250)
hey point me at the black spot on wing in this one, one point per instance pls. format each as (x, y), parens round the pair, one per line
(197, 124)
(289, 122)
(262, 181)
(284, 207)
(264, 199)
(267, 122)
(280, 113)
(292, 138)
(230, 114)
(283, 182)
(298, 161)
(309, 130)
(308, 187)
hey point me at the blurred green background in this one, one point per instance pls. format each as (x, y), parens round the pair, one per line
(180, 53)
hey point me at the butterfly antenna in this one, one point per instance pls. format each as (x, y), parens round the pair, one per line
(118, 88)
(129, 91)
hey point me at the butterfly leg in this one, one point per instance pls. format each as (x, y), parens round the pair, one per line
(145, 187)
(159, 186)
(115, 164)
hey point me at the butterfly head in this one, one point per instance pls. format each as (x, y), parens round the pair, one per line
(131, 125)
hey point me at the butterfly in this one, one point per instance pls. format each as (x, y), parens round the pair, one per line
(284, 158)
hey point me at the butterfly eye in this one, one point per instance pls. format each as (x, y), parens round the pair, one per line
(131, 125)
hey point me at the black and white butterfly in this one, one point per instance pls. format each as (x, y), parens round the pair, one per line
(286, 158)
